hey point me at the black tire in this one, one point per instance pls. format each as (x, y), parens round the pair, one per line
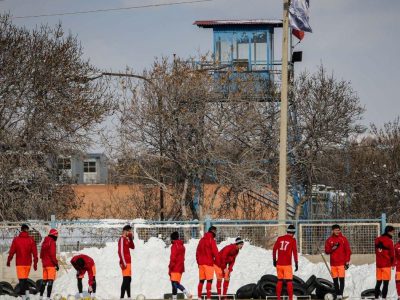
(369, 293)
(6, 284)
(266, 289)
(32, 289)
(323, 287)
(246, 291)
(299, 290)
(297, 280)
(310, 284)
(268, 278)
(39, 284)
(8, 291)
(169, 296)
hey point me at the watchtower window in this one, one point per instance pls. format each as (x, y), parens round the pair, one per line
(223, 49)
(259, 45)
(241, 46)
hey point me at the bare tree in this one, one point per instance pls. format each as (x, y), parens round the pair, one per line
(184, 126)
(48, 107)
(324, 114)
(368, 172)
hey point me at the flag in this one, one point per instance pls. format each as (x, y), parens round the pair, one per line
(297, 33)
(299, 17)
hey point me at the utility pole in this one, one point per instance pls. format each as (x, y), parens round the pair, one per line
(283, 122)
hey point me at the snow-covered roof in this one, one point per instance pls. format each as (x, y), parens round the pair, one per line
(258, 22)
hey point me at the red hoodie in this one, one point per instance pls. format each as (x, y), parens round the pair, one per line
(48, 252)
(384, 256)
(341, 255)
(177, 258)
(25, 248)
(397, 255)
(207, 251)
(89, 264)
(124, 253)
(227, 256)
(285, 246)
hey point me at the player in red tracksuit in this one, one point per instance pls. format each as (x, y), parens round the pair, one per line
(397, 257)
(49, 262)
(285, 247)
(385, 260)
(82, 264)
(125, 244)
(177, 265)
(206, 257)
(24, 248)
(223, 270)
(338, 247)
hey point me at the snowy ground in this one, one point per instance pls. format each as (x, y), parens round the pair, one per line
(150, 271)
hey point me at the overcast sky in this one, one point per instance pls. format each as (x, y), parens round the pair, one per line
(356, 39)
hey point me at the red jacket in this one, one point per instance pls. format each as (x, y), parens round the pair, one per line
(48, 252)
(285, 246)
(341, 255)
(227, 256)
(207, 251)
(385, 256)
(124, 253)
(89, 264)
(24, 247)
(177, 258)
(397, 255)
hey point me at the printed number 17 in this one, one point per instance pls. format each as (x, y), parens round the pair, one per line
(284, 245)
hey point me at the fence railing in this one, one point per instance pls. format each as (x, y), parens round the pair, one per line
(311, 234)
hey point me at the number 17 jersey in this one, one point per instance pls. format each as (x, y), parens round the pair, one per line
(284, 248)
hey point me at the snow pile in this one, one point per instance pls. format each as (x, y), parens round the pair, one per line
(150, 271)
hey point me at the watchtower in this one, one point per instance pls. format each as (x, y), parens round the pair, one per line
(247, 44)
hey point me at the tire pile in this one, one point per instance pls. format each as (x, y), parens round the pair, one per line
(7, 289)
(317, 288)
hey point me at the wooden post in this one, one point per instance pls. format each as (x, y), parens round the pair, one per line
(283, 122)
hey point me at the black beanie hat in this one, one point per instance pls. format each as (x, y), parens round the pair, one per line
(175, 236)
(291, 229)
(336, 226)
(389, 228)
(239, 241)
(127, 228)
(24, 227)
(212, 228)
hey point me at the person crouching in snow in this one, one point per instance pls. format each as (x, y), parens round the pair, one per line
(385, 260)
(206, 257)
(223, 270)
(49, 262)
(338, 247)
(125, 243)
(177, 265)
(285, 247)
(82, 264)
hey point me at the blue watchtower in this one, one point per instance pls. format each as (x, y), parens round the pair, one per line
(248, 44)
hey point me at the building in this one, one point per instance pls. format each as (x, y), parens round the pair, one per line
(88, 169)
(246, 45)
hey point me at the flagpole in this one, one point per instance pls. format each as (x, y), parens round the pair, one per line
(283, 122)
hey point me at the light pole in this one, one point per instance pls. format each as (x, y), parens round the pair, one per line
(283, 122)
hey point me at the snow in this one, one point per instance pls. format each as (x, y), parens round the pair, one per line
(150, 271)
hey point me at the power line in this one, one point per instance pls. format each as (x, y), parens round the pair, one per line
(111, 9)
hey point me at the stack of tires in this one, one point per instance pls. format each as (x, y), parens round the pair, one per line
(318, 288)
(7, 289)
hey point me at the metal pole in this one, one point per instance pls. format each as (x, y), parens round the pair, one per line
(283, 121)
